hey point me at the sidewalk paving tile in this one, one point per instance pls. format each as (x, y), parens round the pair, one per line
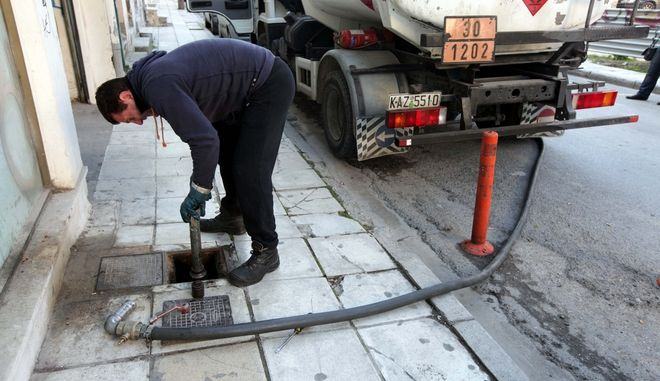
(130, 151)
(324, 225)
(123, 127)
(104, 213)
(177, 236)
(139, 137)
(170, 136)
(296, 260)
(126, 189)
(172, 186)
(167, 210)
(135, 235)
(360, 289)
(232, 362)
(297, 179)
(336, 355)
(174, 166)
(76, 335)
(127, 169)
(239, 310)
(290, 161)
(489, 351)
(139, 211)
(173, 150)
(420, 350)
(291, 297)
(284, 226)
(213, 205)
(278, 209)
(218, 184)
(350, 254)
(309, 201)
(134, 371)
(287, 146)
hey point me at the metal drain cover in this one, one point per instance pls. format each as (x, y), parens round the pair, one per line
(211, 311)
(130, 271)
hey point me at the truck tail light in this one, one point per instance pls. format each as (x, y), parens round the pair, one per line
(417, 117)
(594, 99)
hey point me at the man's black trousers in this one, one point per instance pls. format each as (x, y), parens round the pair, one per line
(248, 150)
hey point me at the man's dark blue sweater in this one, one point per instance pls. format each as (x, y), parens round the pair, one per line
(199, 84)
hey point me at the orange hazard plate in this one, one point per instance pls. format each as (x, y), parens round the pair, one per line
(469, 39)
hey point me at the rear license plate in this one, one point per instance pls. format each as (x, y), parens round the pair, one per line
(469, 39)
(414, 101)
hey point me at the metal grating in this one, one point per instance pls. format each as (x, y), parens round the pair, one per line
(130, 271)
(211, 311)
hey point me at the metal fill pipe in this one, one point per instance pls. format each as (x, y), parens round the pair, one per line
(197, 271)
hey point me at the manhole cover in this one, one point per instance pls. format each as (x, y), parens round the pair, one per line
(208, 312)
(130, 271)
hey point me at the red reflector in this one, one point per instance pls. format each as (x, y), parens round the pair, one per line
(416, 118)
(594, 99)
(404, 142)
(634, 119)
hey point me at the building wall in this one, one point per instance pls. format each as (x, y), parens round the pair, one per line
(97, 29)
(66, 50)
(38, 42)
(20, 178)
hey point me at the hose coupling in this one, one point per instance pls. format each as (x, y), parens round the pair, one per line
(131, 330)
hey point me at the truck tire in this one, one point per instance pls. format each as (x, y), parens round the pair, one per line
(337, 113)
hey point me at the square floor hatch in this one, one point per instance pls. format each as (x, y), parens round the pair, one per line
(208, 312)
(130, 271)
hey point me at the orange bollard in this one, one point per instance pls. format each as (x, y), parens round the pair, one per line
(479, 244)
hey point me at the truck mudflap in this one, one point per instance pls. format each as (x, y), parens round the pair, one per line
(535, 113)
(521, 129)
(374, 139)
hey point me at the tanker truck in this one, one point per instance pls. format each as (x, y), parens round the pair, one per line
(393, 74)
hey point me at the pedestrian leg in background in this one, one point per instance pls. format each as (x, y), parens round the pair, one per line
(261, 131)
(650, 80)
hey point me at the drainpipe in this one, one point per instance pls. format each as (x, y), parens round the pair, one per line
(121, 44)
(76, 51)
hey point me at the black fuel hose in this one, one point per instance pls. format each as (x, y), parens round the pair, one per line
(302, 321)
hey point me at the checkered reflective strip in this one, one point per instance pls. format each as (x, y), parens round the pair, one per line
(374, 139)
(533, 113)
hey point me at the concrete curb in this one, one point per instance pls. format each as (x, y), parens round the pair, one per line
(28, 298)
(621, 77)
(387, 228)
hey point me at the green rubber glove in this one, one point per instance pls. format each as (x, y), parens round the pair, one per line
(196, 199)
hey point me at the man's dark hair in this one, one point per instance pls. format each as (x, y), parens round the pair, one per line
(107, 97)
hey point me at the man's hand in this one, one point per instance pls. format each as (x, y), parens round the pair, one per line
(196, 199)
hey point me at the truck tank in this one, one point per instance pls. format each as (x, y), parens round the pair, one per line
(411, 18)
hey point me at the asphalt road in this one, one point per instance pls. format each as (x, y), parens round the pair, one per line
(577, 298)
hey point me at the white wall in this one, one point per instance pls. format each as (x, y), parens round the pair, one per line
(66, 51)
(39, 43)
(97, 30)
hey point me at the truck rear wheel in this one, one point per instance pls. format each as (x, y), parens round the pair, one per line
(337, 113)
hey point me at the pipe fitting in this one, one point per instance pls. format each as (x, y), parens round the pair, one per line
(114, 319)
(131, 330)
